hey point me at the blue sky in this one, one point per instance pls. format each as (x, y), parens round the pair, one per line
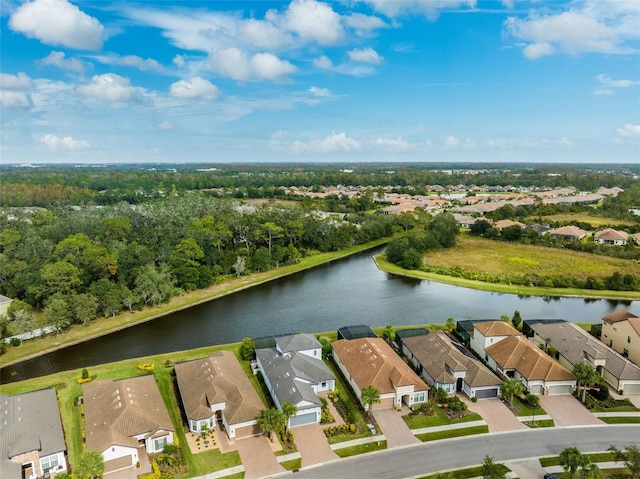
(309, 81)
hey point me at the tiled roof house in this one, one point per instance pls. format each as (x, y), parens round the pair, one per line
(125, 420)
(217, 388)
(621, 331)
(371, 362)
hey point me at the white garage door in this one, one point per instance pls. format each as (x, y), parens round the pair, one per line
(631, 389)
(536, 389)
(303, 419)
(555, 390)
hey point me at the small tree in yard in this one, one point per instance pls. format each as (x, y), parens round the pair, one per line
(491, 470)
(270, 420)
(517, 319)
(533, 402)
(630, 455)
(369, 396)
(510, 388)
(288, 410)
(90, 465)
(451, 324)
(586, 376)
(247, 349)
(571, 459)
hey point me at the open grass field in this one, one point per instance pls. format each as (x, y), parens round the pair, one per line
(499, 257)
(596, 221)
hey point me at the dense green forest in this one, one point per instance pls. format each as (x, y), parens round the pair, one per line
(78, 243)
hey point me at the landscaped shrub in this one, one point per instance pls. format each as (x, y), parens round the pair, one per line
(146, 367)
(15, 342)
(603, 392)
(152, 475)
(85, 373)
(474, 399)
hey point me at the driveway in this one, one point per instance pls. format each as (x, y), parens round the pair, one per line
(566, 410)
(635, 399)
(257, 457)
(495, 414)
(394, 428)
(526, 468)
(312, 445)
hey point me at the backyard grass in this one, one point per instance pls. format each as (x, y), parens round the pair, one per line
(361, 449)
(467, 431)
(101, 326)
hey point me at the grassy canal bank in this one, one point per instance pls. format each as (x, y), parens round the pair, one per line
(102, 326)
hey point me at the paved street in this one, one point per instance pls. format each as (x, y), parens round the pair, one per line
(420, 459)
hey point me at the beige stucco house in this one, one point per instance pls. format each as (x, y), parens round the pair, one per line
(621, 332)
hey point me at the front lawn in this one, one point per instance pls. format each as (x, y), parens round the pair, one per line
(525, 410)
(464, 473)
(536, 424)
(467, 431)
(420, 419)
(610, 405)
(621, 420)
(361, 449)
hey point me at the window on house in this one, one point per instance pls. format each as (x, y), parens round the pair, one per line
(629, 339)
(49, 463)
(625, 352)
(160, 443)
(418, 397)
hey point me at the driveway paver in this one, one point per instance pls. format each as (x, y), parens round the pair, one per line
(566, 410)
(394, 428)
(526, 469)
(635, 399)
(312, 445)
(495, 414)
(257, 457)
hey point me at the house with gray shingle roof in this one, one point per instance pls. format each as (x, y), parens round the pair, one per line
(217, 388)
(445, 365)
(575, 345)
(31, 435)
(125, 420)
(296, 376)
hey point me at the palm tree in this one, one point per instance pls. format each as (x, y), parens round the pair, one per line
(533, 402)
(511, 387)
(90, 465)
(572, 459)
(630, 455)
(288, 410)
(586, 376)
(270, 420)
(369, 396)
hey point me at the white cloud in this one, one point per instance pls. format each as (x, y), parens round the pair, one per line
(363, 24)
(58, 59)
(134, 61)
(392, 144)
(328, 144)
(508, 3)
(365, 55)
(606, 80)
(587, 27)
(316, 91)
(604, 91)
(109, 87)
(178, 61)
(323, 62)
(451, 141)
(538, 50)
(263, 34)
(234, 63)
(56, 143)
(58, 22)
(196, 87)
(314, 21)
(429, 8)
(629, 131)
(15, 90)
(165, 125)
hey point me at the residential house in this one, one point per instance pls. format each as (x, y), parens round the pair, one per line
(511, 355)
(621, 331)
(447, 365)
(574, 345)
(4, 304)
(572, 233)
(294, 372)
(217, 389)
(31, 436)
(612, 237)
(502, 224)
(538, 228)
(372, 362)
(125, 420)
